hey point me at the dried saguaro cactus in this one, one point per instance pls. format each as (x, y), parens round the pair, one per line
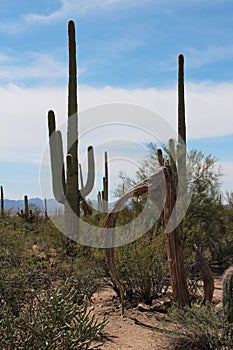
(173, 170)
(66, 187)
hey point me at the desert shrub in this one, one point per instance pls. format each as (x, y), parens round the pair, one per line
(34, 258)
(202, 328)
(142, 268)
(21, 278)
(53, 320)
(84, 282)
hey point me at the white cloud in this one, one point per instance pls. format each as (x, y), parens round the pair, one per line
(4, 58)
(82, 7)
(24, 123)
(39, 66)
(66, 9)
(24, 133)
(23, 112)
(69, 7)
(208, 105)
(227, 170)
(209, 111)
(199, 58)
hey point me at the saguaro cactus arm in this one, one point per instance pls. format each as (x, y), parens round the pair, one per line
(56, 157)
(85, 190)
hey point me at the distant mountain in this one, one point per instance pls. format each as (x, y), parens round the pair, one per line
(34, 203)
(37, 203)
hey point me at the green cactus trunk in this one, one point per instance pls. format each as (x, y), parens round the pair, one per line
(104, 199)
(2, 202)
(72, 203)
(181, 104)
(26, 208)
(66, 186)
(228, 294)
(106, 181)
(99, 201)
(45, 209)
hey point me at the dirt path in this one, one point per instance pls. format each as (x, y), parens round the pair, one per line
(137, 330)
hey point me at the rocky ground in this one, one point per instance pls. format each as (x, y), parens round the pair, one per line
(137, 330)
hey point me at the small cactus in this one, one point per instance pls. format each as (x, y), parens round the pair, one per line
(45, 209)
(105, 183)
(102, 196)
(99, 201)
(228, 294)
(27, 214)
(26, 206)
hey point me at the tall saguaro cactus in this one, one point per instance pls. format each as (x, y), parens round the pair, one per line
(173, 242)
(66, 187)
(26, 207)
(2, 202)
(177, 178)
(174, 173)
(181, 149)
(45, 209)
(181, 103)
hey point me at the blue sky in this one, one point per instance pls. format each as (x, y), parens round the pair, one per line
(127, 52)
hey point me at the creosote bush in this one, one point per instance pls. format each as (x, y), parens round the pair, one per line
(53, 320)
(143, 269)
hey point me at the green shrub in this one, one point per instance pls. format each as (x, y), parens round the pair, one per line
(53, 320)
(142, 268)
(33, 259)
(200, 328)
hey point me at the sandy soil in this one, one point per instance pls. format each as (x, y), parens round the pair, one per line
(137, 330)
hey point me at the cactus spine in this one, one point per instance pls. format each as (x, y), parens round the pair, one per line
(2, 202)
(228, 294)
(66, 187)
